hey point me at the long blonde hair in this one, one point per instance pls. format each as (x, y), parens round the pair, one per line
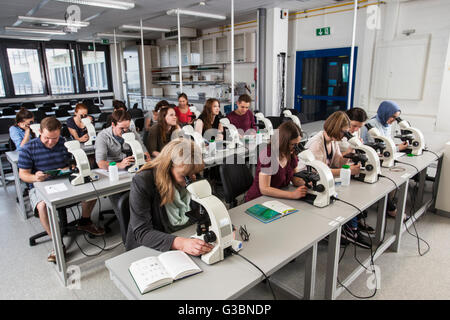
(178, 151)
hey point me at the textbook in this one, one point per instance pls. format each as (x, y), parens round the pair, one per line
(270, 211)
(155, 272)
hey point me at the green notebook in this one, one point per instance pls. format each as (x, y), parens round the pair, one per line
(269, 211)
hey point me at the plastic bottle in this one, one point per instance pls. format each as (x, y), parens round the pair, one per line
(258, 138)
(113, 172)
(345, 175)
(212, 147)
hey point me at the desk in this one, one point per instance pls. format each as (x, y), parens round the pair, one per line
(13, 158)
(271, 247)
(75, 194)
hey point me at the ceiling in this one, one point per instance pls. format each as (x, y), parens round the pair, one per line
(153, 13)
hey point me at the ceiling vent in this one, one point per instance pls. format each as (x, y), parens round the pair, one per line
(184, 33)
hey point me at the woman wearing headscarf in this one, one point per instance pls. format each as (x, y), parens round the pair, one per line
(387, 112)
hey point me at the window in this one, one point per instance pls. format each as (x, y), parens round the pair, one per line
(60, 70)
(94, 66)
(2, 88)
(25, 71)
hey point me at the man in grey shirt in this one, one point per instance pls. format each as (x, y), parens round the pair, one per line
(109, 147)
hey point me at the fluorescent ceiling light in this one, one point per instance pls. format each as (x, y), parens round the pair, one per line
(113, 4)
(129, 27)
(118, 35)
(30, 30)
(23, 38)
(173, 12)
(58, 22)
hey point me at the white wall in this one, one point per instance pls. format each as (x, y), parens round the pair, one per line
(427, 17)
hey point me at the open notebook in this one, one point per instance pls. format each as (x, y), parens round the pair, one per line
(154, 272)
(270, 211)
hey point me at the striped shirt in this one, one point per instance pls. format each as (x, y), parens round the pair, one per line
(37, 157)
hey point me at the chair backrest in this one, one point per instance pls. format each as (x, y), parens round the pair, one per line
(12, 145)
(39, 115)
(29, 105)
(276, 121)
(65, 132)
(49, 104)
(66, 107)
(94, 109)
(124, 214)
(88, 102)
(45, 108)
(236, 178)
(5, 123)
(61, 113)
(103, 117)
(8, 111)
(15, 107)
(136, 113)
(139, 122)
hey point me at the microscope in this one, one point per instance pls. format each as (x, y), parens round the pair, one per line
(35, 127)
(195, 112)
(288, 114)
(82, 173)
(370, 162)
(415, 138)
(214, 227)
(384, 145)
(318, 178)
(136, 151)
(91, 131)
(234, 140)
(267, 124)
(189, 131)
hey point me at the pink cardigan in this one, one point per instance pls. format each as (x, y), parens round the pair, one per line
(315, 144)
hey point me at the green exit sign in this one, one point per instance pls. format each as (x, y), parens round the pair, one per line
(323, 31)
(105, 41)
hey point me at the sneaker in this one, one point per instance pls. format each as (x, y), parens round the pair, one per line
(91, 228)
(364, 228)
(356, 238)
(52, 255)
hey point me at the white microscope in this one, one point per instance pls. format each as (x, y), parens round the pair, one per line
(136, 151)
(385, 145)
(267, 124)
(35, 127)
(189, 131)
(318, 178)
(91, 131)
(233, 141)
(370, 162)
(82, 173)
(195, 112)
(414, 136)
(214, 228)
(295, 119)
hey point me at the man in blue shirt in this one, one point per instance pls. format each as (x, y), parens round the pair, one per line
(48, 153)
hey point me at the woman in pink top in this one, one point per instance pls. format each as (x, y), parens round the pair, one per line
(183, 112)
(275, 172)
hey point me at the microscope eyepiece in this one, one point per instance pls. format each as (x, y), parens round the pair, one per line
(348, 135)
(187, 180)
(368, 126)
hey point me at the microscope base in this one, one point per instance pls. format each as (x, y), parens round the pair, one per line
(366, 178)
(316, 201)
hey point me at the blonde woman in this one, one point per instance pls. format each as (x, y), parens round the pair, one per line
(159, 200)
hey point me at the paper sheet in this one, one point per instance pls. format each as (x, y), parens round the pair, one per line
(55, 188)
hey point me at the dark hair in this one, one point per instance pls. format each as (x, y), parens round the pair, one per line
(120, 115)
(183, 95)
(335, 123)
(287, 131)
(51, 124)
(160, 104)
(357, 114)
(207, 116)
(23, 114)
(80, 106)
(244, 98)
(163, 127)
(117, 104)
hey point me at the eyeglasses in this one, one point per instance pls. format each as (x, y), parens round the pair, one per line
(245, 236)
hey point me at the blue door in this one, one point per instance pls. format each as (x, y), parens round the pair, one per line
(321, 82)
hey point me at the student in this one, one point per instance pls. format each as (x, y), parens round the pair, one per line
(159, 200)
(75, 125)
(387, 112)
(209, 119)
(242, 117)
(120, 105)
(273, 173)
(48, 153)
(151, 117)
(184, 114)
(357, 118)
(20, 133)
(161, 133)
(324, 145)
